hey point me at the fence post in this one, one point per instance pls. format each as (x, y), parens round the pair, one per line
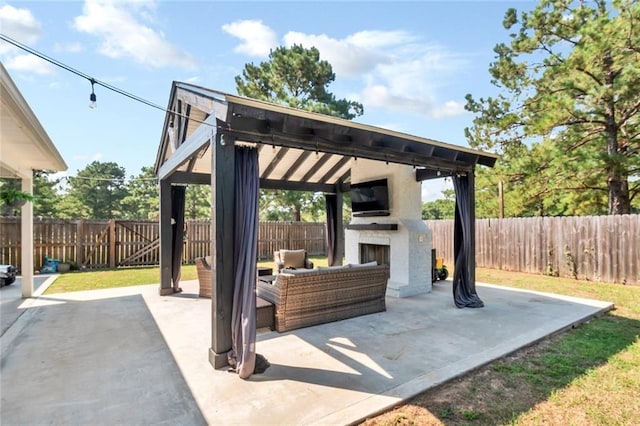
(112, 243)
(80, 242)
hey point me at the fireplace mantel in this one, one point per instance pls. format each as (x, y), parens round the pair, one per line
(373, 226)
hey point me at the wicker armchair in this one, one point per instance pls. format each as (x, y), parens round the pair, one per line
(292, 259)
(203, 267)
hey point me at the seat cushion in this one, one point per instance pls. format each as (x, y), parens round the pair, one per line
(293, 258)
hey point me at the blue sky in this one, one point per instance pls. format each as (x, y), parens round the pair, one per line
(410, 63)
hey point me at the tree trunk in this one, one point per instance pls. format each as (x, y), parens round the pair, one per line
(619, 202)
(296, 214)
(618, 183)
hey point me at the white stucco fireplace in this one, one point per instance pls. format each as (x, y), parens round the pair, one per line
(402, 239)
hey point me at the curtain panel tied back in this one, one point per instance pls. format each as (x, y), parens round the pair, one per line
(331, 205)
(243, 315)
(464, 290)
(177, 234)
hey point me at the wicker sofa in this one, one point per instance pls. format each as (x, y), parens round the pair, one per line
(309, 297)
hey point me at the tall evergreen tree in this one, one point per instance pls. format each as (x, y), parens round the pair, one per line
(294, 77)
(143, 199)
(47, 194)
(569, 80)
(97, 191)
(197, 202)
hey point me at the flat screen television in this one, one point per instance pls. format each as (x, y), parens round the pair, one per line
(370, 198)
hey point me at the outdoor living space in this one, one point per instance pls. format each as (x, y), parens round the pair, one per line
(130, 355)
(239, 146)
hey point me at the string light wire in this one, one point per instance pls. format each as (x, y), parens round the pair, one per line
(93, 80)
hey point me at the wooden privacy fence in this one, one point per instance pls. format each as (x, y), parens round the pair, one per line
(596, 248)
(114, 243)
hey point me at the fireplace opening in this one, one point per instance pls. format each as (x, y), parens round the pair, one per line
(377, 252)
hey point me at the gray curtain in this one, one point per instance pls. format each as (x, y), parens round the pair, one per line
(331, 205)
(243, 315)
(464, 291)
(177, 233)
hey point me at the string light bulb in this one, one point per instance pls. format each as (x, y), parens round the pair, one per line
(92, 96)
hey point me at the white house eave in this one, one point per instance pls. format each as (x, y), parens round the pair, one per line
(34, 139)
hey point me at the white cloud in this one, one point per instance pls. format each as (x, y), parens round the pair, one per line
(257, 38)
(74, 47)
(380, 39)
(432, 189)
(30, 63)
(380, 96)
(448, 109)
(18, 24)
(122, 34)
(346, 58)
(398, 70)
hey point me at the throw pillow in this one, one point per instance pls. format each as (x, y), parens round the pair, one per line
(292, 258)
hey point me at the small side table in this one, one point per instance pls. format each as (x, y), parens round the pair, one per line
(264, 271)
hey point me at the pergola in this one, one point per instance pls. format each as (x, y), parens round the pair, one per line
(297, 150)
(24, 147)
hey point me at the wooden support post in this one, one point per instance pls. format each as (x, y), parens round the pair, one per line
(222, 247)
(112, 243)
(80, 242)
(165, 238)
(339, 228)
(26, 235)
(500, 200)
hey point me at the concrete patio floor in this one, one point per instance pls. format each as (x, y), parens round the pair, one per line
(129, 356)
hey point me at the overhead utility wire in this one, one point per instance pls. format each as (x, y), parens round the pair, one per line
(93, 80)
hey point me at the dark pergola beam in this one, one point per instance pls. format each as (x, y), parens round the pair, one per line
(190, 178)
(251, 124)
(378, 152)
(297, 186)
(427, 174)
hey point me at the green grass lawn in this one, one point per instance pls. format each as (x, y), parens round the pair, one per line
(111, 278)
(123, 277)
